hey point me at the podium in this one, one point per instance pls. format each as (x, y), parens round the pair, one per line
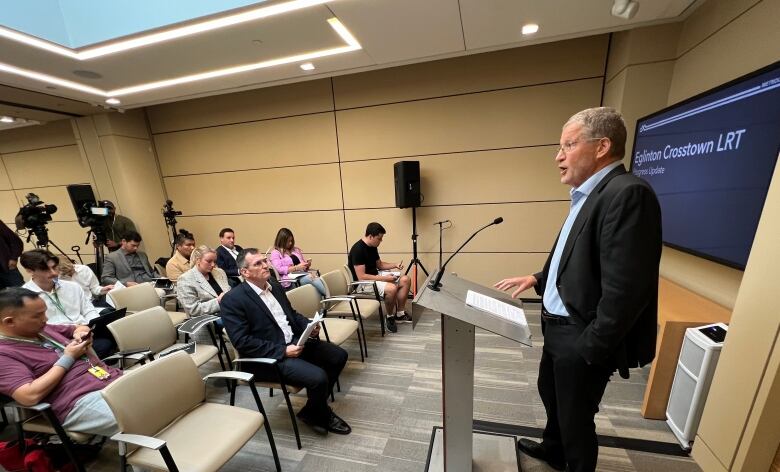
(457, 448)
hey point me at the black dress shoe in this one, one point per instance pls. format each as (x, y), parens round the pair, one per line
(536, 450)
(316, 427)
(337, 425)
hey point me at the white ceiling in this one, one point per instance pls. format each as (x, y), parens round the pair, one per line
(390, 32)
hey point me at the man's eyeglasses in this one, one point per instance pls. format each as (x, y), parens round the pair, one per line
(569, 146)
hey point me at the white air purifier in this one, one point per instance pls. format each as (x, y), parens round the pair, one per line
(695, 368)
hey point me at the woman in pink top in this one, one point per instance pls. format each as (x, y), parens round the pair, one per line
(288, 259)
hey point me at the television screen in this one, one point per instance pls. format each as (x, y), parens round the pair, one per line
(710, 160)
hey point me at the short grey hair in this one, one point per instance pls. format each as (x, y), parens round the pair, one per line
(603, 122)
(241, 258)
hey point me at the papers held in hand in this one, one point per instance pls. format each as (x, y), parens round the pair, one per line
(309, 328)
(498, 308)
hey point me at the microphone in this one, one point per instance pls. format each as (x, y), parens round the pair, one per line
(441, 222)
(437, 281)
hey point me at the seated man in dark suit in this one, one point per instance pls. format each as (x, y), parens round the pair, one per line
(227, 252)
(261, 323)
(128, 265)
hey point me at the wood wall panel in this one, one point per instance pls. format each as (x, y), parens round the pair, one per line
(490, 120)
(9, 205)
(299, 140)
(54, 134)
(551, 62)
(257, 191)
(507, 175)
(45, 167)
(261, 104)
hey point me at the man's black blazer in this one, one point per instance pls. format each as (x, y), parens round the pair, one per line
(226, 262)
(608, 274)
(251, 326)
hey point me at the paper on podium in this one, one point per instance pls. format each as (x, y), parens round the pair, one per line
(309, 328)
(498, 308)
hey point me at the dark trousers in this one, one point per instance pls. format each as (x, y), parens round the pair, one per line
(11, 278)
(316, 369)
(571, 391)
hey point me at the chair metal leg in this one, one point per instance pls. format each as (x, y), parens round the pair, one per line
(233, 392)
(66, 442)
(292, 416)
(168, 458)
(210, 329)
(270, 392)
(338, 386)
(267, 425)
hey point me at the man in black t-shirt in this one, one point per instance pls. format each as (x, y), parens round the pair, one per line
(365, 264)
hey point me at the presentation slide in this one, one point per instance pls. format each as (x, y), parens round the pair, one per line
(710, 161)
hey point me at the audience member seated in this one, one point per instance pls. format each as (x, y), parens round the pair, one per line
(365, 264)
(227, 253)
(41, 362)
(116, 227)
(287, 258)
(261, 322)
(128, 265)
(201, 288)
(66, 302)
(83, 276)
(180, 262)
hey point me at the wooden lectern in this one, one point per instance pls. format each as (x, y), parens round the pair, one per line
(457, 448)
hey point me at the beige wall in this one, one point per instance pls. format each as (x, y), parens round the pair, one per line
(43, 160)
(318, 156)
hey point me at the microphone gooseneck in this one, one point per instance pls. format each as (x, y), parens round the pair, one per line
(437, 281)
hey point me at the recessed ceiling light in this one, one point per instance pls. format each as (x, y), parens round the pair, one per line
(6, 119)
(307, 66)
(113, 101)
(530, 28)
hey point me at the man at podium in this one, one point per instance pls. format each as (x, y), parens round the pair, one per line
(599, 287)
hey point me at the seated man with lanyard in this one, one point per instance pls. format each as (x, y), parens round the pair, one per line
(261, 322)
(66, 303)
(128, 265)
(40, 362)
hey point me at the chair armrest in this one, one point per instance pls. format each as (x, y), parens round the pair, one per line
(341, 298)
(37, 407)
(139, 356)
(231, 375)
(193, 325)
(362, 282)
(140, 440)
(256, 360)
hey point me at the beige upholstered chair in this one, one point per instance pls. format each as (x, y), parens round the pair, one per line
(152, 329)
(306, 301)
(140, 297)
(165, 422)
(341, 302)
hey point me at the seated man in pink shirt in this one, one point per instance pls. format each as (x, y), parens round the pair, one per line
(52, 363)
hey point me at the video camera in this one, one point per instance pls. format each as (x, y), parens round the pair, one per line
(33, 216)
(169, 213)
(89, 212)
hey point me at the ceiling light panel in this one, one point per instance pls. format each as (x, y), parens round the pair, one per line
(168, 34)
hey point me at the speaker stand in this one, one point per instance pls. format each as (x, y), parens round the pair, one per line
(415, 262)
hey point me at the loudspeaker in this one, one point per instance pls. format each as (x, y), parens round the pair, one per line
(407, 184)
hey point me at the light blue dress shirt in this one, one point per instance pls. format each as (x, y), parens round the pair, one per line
(552, 299)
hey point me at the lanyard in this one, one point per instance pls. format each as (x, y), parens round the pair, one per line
(57, 303)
